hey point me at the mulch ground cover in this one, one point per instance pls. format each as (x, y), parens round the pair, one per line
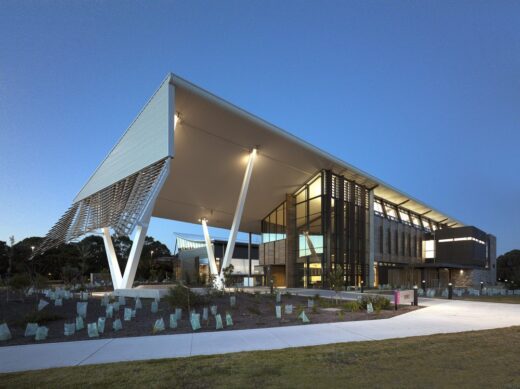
(250, 311)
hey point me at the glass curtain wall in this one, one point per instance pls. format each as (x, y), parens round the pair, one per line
(331, 219)
(274, 225)
(309, 228)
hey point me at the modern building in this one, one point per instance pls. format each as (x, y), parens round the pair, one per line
(193, 157)
(194, 266)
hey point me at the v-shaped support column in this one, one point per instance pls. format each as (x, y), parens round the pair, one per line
(113, 265)
(238, 213)
(211, 255)
(126, 281)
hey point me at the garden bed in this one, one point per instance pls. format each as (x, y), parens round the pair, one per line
(250, 311)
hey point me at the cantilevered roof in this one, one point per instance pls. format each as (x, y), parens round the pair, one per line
(194, 168)
(211, 144)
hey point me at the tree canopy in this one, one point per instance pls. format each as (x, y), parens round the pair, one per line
(74, 261)
(508, 268)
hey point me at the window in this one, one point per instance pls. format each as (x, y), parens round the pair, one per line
(378, 208)
(429, 249)
(404, 216)
(315, 187)
(390, 211)
(416, 221)
(426, 224)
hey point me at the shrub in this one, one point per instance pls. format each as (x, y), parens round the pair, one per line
(352, 306)
(40, 317)
(254, 310)
(40, 282)
(20, 282)
(182, 297)
(378, 302)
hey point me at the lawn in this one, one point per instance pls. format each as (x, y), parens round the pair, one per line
(470, 359)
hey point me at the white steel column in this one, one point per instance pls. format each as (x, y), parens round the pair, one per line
(135, 255)
(238, 213)
(140, 235)
(211, 254)
(371, 236)
(115, 271)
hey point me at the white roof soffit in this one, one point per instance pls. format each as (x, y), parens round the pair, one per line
(212, 142)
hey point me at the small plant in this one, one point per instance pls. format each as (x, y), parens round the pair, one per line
(40, 282)
(378, 302)
(40, 317)
(254, 310)
(20, 282)
(341, 314)
(228, 275)
(181, 296)
(352, 306)
(314, 309)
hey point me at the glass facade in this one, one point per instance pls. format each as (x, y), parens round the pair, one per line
(274, 225)
(331, 228)
(325, 224)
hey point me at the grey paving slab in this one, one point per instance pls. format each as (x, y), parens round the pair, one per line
(47, 355)
(142, 347)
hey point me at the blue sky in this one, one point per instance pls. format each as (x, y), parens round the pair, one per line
(424, 95)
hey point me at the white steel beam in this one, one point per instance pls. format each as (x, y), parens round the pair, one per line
(238, 213)
(113, 265)
(211, 255)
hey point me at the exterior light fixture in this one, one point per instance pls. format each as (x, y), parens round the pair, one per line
(176, 119)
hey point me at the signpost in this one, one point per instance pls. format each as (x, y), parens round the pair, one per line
(403, 297)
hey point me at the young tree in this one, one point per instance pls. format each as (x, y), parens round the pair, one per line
(228, 275)
(337, 280)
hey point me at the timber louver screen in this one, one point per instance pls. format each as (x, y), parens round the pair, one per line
(119, 206)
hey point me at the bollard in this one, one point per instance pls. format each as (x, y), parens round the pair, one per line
(271, 282)
(415, 296)
(362, 284)
(424, 286)
(450, 291)
(481, 287)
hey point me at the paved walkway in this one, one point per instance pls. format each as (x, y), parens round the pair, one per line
(439, 316)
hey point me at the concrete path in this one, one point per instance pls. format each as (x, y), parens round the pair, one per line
(439, 316)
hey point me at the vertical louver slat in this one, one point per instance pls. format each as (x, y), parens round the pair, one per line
(120, 206)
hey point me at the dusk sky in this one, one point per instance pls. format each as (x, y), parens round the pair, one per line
(423, 95)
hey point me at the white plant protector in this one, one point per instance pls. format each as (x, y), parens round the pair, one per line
(41, 333)
(158, 326)
(69, 329)
(155, 307)
(79, 323)
(101, 324)
(128, 314)
(117, 325)
(92, 330)
(5, 334)
(81, 309)
(42, 304)
(229, 320)
(30, 329)
(173, 321)
(218, 322)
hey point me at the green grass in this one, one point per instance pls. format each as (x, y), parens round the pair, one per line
(493, 299)
(470, 359)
